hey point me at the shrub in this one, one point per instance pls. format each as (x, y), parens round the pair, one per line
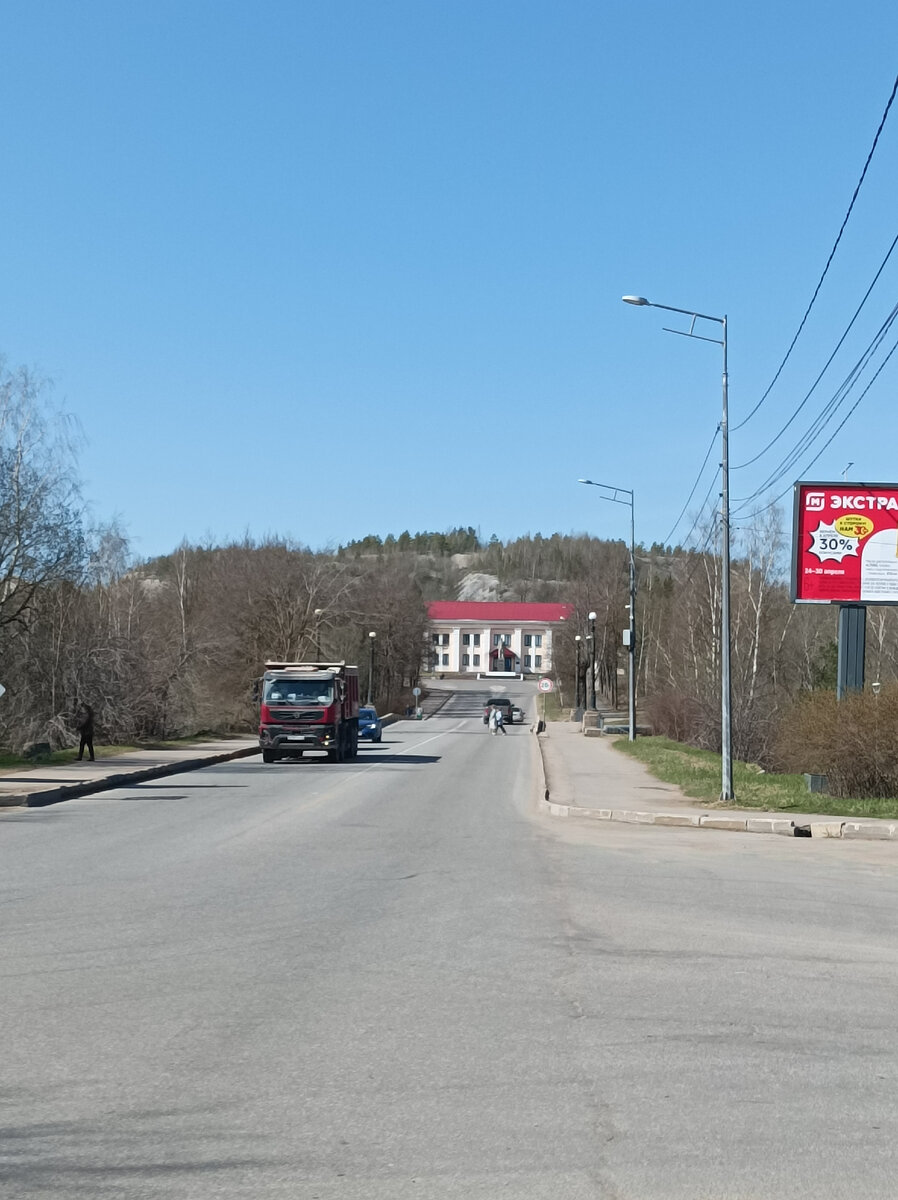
(675, 715)
(851, 741)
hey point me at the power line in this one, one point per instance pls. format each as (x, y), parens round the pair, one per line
(700, 553)
(828, 261)
(826, 414)
(749, 462)
(701, 470)
(826, 444)
(702, 506)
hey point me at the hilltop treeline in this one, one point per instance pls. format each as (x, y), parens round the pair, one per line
(171, 646)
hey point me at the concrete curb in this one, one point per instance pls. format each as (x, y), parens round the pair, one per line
(125, 778)
(782, 826)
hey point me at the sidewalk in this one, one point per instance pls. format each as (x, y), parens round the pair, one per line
(587, 777)
(42, 785)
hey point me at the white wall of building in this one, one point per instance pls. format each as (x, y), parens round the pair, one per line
(449, 654)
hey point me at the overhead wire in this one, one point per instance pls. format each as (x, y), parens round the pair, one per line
(828, 261)
(700, 553)
(701, 470)
(817, 426)
(749, 462)
(702, 506)
(826, 444)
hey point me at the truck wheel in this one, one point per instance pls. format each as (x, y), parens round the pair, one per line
(269, 756)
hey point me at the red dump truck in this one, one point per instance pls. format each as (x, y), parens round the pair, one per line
(309, 706)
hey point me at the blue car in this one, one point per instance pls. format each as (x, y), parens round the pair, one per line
(369, 724)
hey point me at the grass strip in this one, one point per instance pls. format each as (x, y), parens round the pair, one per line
(697, 773)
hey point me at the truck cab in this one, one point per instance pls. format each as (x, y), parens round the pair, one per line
(309, 706)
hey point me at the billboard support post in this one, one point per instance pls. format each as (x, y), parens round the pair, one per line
(852, 642)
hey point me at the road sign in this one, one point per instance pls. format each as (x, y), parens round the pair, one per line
(416, 691)
(546, 685)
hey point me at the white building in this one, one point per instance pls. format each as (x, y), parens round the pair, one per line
(470, 637)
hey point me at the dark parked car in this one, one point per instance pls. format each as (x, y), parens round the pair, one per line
(369, 724)
(498, 702)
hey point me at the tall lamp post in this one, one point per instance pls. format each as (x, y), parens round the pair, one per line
(319, 613)
(577, 640)
(726, 690)
(371, 636)
(592, 662)
(631, 643)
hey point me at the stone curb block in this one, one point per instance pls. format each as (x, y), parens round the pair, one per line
(770, 825)
(692, 819)
(826, 829)
(864, 829)
(14, 800)
(733, 824)
(126, 778)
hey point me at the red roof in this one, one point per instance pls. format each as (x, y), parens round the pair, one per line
(494, 610)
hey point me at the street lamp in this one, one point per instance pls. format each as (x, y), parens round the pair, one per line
(319, 613)
(592, 662)
(726, 717)
(371, 636)
(577, 640)
(631, 644)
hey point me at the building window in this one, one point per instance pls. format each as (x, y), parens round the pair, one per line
(506, 639)
(537, 639)
(476, 660)
(466, 639)
(537, 660)
(445, 639)
(495, 639)
(445, 660)
(435, 638)
(528, 641)
(527, 660)
(466, 660)
(476, 639)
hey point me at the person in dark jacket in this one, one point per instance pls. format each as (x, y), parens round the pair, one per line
(86, 729)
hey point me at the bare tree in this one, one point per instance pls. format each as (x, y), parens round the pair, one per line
(41, 534)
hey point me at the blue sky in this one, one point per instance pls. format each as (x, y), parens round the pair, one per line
(378, 249)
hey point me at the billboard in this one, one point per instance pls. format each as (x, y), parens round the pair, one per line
(845, 543)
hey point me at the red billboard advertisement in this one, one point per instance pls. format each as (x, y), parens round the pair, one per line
(845, 543)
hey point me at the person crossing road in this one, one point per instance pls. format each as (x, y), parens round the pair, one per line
(497, 721)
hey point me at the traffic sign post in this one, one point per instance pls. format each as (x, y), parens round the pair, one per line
(545, 685)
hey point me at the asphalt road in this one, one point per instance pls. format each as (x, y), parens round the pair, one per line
(393, 979)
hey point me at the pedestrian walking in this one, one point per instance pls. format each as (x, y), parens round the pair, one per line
(493, 718)
(86, 729)
(500, 721)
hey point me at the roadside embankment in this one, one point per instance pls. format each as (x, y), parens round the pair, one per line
(589, 778)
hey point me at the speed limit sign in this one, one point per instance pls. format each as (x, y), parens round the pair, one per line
(545, 685)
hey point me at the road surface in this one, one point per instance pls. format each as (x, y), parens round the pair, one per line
(392, 979)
